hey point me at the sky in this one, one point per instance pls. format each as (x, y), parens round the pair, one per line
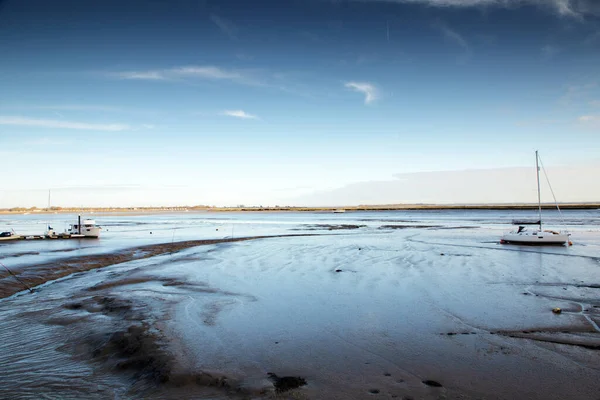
(297, 102)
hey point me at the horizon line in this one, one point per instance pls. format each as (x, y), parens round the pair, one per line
(360, 207)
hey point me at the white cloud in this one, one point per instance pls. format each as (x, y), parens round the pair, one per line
(193, 74)
(142, 75)
(238, 114)
(568, 8)
(188, 73)
(368, 89)
(48, 123)
(478, 186)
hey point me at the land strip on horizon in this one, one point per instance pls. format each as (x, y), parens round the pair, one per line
(241, 208)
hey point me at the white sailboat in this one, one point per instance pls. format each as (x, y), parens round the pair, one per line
(538, 236)
(50, 233)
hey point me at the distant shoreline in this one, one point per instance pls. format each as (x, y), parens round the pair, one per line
(391, 207)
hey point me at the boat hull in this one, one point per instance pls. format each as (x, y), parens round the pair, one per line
(536, 238)
(13, 237)
(91, 232)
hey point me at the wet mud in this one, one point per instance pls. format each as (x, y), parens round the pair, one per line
(407, 323)
(584, 335)
(37, 274)
(21, 254)
(137, 349)
(131, 343)
(409, 226)
(329, 227)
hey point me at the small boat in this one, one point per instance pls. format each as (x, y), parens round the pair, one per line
(50, 233)
(538, 236)
(10, 235)
(84, 229)
(339, 211)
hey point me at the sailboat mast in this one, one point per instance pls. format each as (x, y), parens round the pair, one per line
(537, 170)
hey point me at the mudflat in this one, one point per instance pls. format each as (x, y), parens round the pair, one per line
(433, 309)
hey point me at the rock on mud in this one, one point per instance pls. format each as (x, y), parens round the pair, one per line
(285, 383)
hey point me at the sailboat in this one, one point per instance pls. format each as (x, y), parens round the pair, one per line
(538, 236)
(50, 233)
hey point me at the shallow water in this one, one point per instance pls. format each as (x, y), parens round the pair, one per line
(407, 306)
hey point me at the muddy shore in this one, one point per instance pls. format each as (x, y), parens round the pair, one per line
(417, 312)
(24, 277)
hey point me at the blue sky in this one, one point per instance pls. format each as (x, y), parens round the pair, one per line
(277, 102)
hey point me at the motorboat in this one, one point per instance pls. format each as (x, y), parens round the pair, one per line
(84, 229)
(9, 235)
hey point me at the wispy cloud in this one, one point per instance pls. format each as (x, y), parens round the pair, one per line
(142, 75)
(592, 39)
(368, 89)
(549, 51)
(68, 109)
(590, 120)
(595, 103)
(578, 92)
(311, 36)
(48, 123)
(47, 142)
(455, 38)
(227, 27)
(186, 73)
(206, 72)
(565, 8)
(239, 114)
(194, 74)
(76, 107)
(244, 56)
(541, 121)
